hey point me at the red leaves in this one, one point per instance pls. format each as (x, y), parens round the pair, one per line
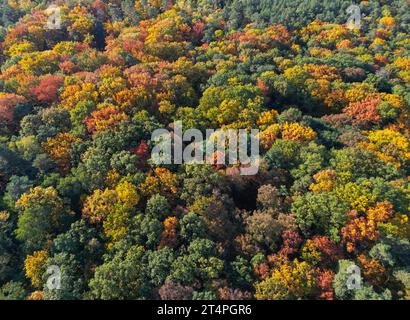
(262, 270)
(324, 283)
(142, 150)
(198, 29)
(99, 8)
(143, 154)
(364, 112)
(7, 103)
(329, 250)
(291, 242)
(6, 114)
(47, 89)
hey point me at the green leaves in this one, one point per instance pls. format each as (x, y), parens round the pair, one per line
(123, 277)
(42, 216)
(320, 214)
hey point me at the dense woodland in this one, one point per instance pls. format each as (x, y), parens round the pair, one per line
(78, 189)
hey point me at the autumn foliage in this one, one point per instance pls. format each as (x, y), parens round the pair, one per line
(79, 188)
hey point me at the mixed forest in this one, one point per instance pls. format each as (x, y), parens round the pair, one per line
(78, 190)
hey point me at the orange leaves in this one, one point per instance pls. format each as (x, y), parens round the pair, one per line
(372, 269)
(160, 181)
(381, 212)
(323, 72)
(319, 81)
(127, 99)
(142, 77)
(106, 118)
(167, 179)
(365, 228)
(169, 235)
(263, 39)
(262, 270)
(263, 87)
(364, 112)
(113, 74)
(344, 44)
(10, 99)
(388, 22)
(31, 27)
(325, 284)
(291, 243)
(67, 67)
(133, 46)
(357, 230)
(36, 295)
(59, 148)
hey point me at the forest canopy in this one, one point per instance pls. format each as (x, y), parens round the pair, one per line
(79, 190)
